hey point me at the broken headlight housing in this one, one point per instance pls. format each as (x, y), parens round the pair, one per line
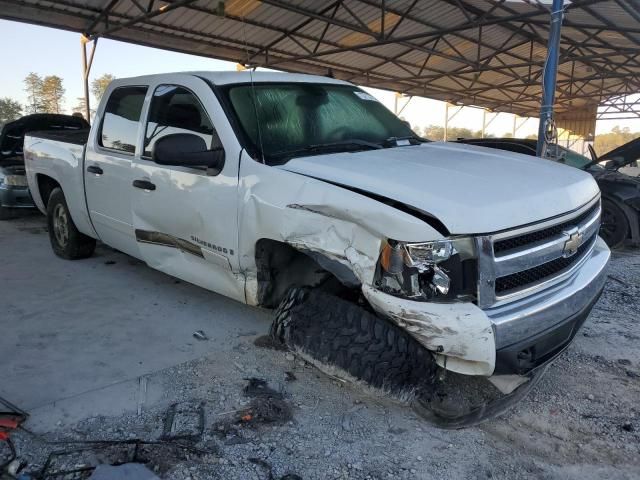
(441, 270)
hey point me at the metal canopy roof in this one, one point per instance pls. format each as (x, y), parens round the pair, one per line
(487, 53)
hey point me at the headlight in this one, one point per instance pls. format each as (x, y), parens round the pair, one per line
(440, 270)
(15, 180)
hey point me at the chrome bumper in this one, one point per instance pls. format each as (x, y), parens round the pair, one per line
(543, 314)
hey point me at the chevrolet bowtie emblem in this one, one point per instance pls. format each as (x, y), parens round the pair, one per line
(571, 245)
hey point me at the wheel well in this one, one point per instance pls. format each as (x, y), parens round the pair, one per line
(46, 185)
(280, 266)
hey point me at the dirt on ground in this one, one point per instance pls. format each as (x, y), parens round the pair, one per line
(267, 414)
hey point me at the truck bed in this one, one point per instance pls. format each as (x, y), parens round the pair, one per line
(76, 137)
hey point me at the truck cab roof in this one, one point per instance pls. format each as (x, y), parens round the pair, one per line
(229, 78)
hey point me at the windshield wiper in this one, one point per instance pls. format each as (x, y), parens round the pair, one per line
(344, 145)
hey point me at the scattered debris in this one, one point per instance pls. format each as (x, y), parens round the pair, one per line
(269, 469)
(78, 462)
(110, 262)
(127, 471)
(200, 335)
(11, 418)
(258, 387)
(289, 376)
(184, 421)
(267, 406)
(267, 341)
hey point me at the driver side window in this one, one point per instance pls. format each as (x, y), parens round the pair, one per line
(175, 109)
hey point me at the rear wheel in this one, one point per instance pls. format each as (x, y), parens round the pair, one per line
(340, 334)
(614, 228)
(66, 240)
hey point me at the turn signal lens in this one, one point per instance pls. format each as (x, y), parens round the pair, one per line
(392, 258)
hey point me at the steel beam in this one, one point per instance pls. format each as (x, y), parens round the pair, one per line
(549, 78)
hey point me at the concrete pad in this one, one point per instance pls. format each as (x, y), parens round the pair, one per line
(93, 327)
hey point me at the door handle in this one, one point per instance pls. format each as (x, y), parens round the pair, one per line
(144, 184)
(94, 169)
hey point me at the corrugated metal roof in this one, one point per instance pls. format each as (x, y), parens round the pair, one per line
(481, 52)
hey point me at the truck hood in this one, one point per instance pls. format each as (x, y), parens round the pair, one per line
(469, 189)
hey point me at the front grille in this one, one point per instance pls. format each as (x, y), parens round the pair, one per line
(519, 263)
(519, 280)
(541, 235)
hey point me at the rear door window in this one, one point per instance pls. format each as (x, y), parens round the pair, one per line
(119, 129)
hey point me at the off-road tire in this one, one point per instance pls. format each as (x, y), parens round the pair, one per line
(77, 244)
(614, 229)
(341, 334)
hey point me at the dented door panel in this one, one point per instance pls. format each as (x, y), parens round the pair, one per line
(187, 226)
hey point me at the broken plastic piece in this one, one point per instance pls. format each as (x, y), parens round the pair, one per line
(200, 335)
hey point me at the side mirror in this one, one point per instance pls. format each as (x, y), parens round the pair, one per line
(186, 150)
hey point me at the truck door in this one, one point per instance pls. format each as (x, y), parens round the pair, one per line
(109, 158)
(185, 218)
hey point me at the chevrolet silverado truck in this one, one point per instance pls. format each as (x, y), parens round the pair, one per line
(277, 189)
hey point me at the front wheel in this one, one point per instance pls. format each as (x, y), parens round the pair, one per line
(66, 240)
(345, 339)
(614, 228)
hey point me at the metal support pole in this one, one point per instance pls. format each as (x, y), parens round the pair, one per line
(446, 120)
(484, 121)
(515, 128)
(549, 76)
(86, 69)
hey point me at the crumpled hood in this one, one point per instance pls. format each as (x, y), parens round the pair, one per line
(469, 189)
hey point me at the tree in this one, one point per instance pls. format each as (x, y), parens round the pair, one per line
(33, 84)
(9, 110)
(81, 108)
(606, 142)
(436, 132)
(100, 84)
(53, 93)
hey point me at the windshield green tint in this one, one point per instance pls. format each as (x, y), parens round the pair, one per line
(290, 119)
(574, 159)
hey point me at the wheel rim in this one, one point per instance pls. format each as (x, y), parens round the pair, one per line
(61, 225)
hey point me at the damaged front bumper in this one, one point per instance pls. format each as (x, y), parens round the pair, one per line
(533, 330)
(513, 338)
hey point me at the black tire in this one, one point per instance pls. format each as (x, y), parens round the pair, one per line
(66, 240)
(614, 228)
(341, 334)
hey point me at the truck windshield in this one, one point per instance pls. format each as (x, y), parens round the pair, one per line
(300, 119)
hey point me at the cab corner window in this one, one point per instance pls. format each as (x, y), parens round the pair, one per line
(121, 117)
(175, 109)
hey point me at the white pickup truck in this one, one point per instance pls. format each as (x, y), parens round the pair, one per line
(249, 184)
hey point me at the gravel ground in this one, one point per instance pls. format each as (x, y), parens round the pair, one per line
(582, 421)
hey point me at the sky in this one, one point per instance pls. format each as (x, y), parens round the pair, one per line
(48, 51)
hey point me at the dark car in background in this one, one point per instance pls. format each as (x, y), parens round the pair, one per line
(620, 191)
(14, 192)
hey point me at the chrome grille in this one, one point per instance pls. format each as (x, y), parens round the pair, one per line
(517, 263)
(539, 235)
